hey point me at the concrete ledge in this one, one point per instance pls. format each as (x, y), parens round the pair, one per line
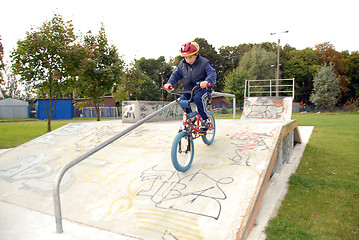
(4, 150)
(133, 111)
(278, 187)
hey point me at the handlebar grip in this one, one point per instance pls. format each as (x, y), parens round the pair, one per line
(169, 89)
(208, 84)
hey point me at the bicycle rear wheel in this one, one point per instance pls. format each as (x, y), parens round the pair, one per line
(182, 151)
(211, 132)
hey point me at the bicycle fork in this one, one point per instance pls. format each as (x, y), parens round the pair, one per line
(188, 138)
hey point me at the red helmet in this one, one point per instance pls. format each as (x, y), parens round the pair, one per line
(189, 48)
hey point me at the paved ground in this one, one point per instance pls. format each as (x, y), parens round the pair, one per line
(129, 190)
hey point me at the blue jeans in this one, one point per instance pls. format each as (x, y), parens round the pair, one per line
(200, 100)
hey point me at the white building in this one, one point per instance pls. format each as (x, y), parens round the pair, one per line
(14, 108)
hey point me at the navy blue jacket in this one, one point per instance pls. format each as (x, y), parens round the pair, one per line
(200, 70)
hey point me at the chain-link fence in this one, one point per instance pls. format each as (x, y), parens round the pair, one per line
(89, 111)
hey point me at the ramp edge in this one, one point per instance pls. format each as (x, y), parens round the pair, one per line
(252, 211)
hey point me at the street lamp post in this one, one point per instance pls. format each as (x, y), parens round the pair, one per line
(278, 63)
(162, 85)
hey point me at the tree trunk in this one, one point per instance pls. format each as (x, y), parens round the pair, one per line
(49, 115)
(97, 107)
(52, 109)
(49, 124)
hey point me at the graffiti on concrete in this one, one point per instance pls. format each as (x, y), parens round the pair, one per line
(169, 113)
(247, 144)
(33, 170)
(172, 112)
(172, 191)
(266, 108)
(176, 226)
(36, 170)
(168, 235)
(129, 110)
(136, 110)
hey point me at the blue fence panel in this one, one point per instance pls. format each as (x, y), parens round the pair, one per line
(63, 110)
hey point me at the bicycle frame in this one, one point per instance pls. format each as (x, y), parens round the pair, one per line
(193, 128)
(182, 150)
(186, 125)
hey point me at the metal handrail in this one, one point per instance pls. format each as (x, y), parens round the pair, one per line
(64, 169)
(219, 94)
(248, 86)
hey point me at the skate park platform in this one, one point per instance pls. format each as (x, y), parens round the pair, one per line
(130, 190)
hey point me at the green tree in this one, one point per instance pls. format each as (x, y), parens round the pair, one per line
(12, 88)
(352, 63)
(103, 69)
(285, 53)
(130, 85)
(232, 55)
(2, 65)
(208, 51)
(326, 87)
(235, 83)
(269, 46)
(147, 88)
(76, 60)
(157, 70)
(301, 65)
(39, 59)
(257, 62)
(284, 57)
(328, 55)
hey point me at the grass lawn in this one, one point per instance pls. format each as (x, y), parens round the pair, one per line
(323, 197)
(16, 133)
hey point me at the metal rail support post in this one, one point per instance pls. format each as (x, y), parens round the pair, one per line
(228, 95)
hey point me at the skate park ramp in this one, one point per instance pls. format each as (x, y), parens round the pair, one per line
(130, 187)
(267, 108)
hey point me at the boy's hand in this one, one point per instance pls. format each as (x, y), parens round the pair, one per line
(167, 86)
(203, 84)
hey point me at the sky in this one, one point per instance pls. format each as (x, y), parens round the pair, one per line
(154, 28)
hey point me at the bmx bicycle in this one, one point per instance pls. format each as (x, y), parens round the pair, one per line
(182, 151)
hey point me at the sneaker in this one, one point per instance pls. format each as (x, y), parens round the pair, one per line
(192, 121)
(204, 125)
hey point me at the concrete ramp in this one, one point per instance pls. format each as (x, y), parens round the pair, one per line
(131, 188)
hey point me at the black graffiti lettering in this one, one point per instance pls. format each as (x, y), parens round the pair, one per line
(170, 190)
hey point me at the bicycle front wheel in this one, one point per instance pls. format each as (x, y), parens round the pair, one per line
(211, 132)
(182, 151)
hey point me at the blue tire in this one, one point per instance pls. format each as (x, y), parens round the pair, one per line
(182, 151)
(209, 137)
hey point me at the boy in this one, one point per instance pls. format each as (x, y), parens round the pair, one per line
(192, 69)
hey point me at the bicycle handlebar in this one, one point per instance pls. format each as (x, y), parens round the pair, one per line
(171, 89)
(174, 92)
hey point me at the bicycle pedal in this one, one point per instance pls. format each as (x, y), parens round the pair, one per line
(202, 133)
